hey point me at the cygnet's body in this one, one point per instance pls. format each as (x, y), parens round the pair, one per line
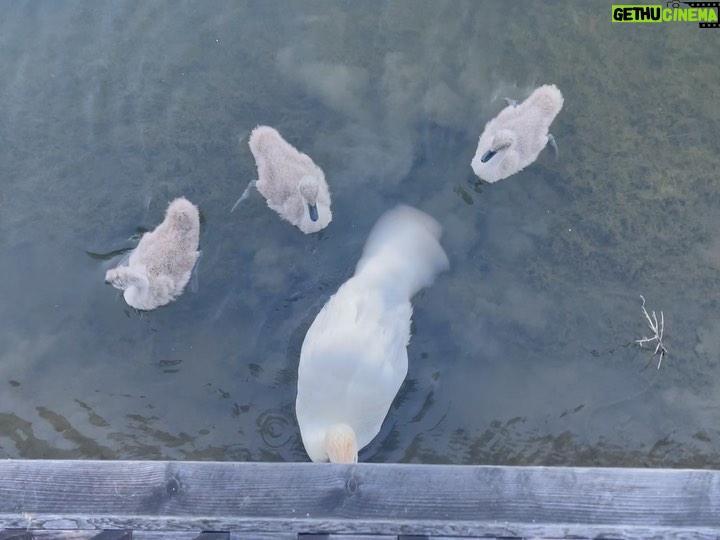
(514, 138)
(290, 181)
(160, 266)
(354, 356)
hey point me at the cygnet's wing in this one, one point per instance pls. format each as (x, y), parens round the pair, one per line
(130, 258)
(280, 165)
(148, 244)
(353, 360)
(167, 250)
(547, 99)
(532, 119)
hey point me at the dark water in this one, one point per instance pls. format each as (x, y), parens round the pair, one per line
(522, 353)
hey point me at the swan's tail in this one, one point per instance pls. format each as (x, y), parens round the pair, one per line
(403, 252)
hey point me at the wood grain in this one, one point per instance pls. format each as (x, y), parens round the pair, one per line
(24, 534)
(178, 535)
(359, 499)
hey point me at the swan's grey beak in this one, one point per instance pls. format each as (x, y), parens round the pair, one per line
(313, 212)
(107, 282)
(487, 156)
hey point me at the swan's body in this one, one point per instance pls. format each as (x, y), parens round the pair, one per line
(354, 356)
(514, 138)
(290, 181)
(160, 266)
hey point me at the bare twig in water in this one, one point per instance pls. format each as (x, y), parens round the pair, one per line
(658, 328)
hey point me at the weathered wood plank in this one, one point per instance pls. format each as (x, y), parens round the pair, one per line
(360, 499)
(32, 534)
(262, 536)
(160, 535)
(350, 537)
(179, 535)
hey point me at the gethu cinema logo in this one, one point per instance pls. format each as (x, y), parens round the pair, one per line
(705, 13)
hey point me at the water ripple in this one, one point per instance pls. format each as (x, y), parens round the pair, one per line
(275, 428)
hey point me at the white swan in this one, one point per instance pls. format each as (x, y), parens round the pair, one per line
(160, 266)
(514, 138)
(354, 356)
(290, 181)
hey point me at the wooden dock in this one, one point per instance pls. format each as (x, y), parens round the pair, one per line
(161, 500)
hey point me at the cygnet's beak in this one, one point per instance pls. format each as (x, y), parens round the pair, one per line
(312, 209)
(487, 156)
(107, 282)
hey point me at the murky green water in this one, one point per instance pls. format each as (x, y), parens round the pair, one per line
(522, 353)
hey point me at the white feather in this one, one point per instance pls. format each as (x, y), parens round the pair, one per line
(354, 357)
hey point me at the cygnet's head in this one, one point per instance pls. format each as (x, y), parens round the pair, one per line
(122, 278)
(309, 190)
(341, 444)
(183, 214)
(502, 140)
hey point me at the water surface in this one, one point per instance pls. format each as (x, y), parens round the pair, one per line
(522, 354)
